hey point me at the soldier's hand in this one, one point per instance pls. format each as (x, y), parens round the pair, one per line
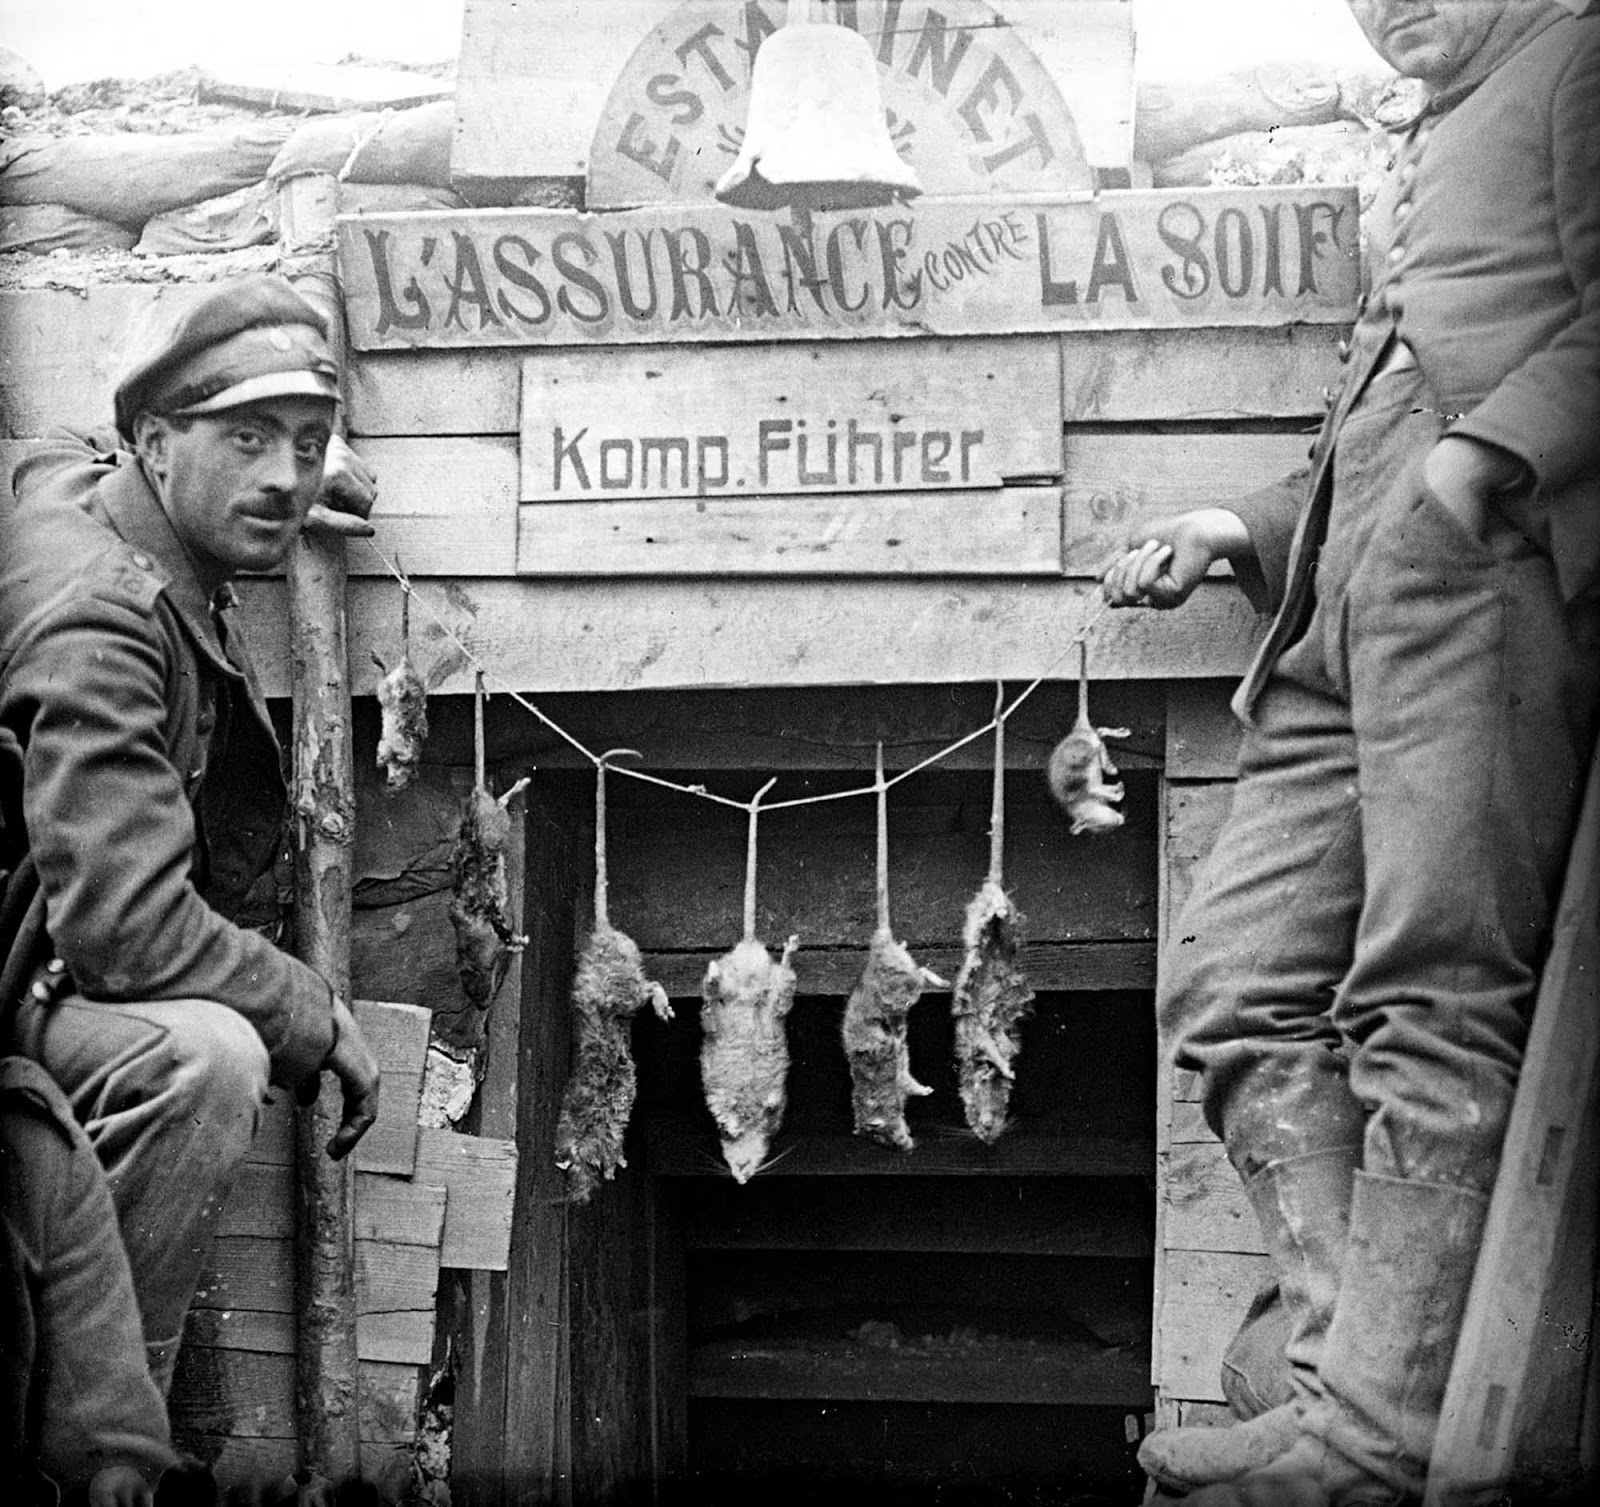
(1466, 475)
(349, 489)
(353, 1064)
(1164, 560)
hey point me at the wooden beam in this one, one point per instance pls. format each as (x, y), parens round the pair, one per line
(328, 1378)
(1215, 376)
(1207, 1295)
(479, 1176)
(1540, 1176)
(563, 635)
(1015, 531)
(398, 1036)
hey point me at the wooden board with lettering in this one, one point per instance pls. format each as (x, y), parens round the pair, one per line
(1173, 258)
(857, 418)
(967, 103)
(535, 83)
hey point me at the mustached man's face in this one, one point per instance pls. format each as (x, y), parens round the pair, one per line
(237, 485)
(1432, 40)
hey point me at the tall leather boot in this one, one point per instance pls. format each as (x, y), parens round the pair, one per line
(1303, 1206)
(1367, 1441)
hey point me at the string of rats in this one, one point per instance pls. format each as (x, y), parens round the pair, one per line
(494, 683)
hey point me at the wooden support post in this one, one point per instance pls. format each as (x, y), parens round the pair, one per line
(1542, 1171)
(327, 1375)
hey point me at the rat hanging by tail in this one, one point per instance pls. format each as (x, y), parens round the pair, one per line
(485, 940)
(608, 990)
(1082, 777)
(744, 1051)
(877, 1014)
(403, 704)
(991, 998)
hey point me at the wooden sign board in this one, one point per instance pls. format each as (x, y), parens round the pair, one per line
(1168, 259)
(934, 416)
(536, 82)
(968, 105)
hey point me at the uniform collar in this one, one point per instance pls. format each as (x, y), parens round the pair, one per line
(1516, 26)
(135, 512)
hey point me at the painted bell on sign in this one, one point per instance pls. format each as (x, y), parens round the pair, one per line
(816, 137)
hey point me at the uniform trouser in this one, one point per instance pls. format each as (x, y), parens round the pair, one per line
(170, 1093)
(1383, 889)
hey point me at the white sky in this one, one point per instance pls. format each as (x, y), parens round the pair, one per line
(68, 41)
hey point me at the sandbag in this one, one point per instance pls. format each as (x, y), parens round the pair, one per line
(132, 177)
(1341, 152)
(43, 228)
(246, 217)
(249, 217)
(1171, 117)
(398, 146)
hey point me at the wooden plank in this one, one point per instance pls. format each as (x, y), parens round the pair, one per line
(1217, 374)
(404, 1338)
(528, 109)
(446, 507)
(62, 350)
(394, 1278)
(1205, 1205)
(1195, 814)
(479, 1174)
(1043, 264)
(534, 1450)
(1090, 966)
(817, 730)
(1551, 1124)
(261, 1203)
(1015, 532)
(398, 1036)
(928, 1369)
(249, 1395)
(1207, 1295)
(274, 1142)
(1115, 482)
(1202, 732)
(937, 66)
(1036, 1217)
(239, 1329)
(1107, 376)
(398, 1210)
(691, 891)
(247, 1271)
(682, 1150)
(940, 414)
(1188, 1124)
(433, 393)
(321, 86)
(640, 635)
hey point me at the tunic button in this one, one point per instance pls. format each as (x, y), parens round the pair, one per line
(1408, 172)
(1329, 398)
(1397, 254)
(1344, 350)
(142, 560)
(1402, 211)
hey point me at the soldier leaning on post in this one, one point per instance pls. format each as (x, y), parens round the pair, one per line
(151, 785)
(1354, 973)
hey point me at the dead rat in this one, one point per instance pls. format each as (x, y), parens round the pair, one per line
(403, 703)
(1080, 767)
(485, 939)
(876, 1016)
(744, 1051)
(608, 990)
(991, 998)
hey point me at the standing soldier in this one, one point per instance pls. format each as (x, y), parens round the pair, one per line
(1360, 957)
